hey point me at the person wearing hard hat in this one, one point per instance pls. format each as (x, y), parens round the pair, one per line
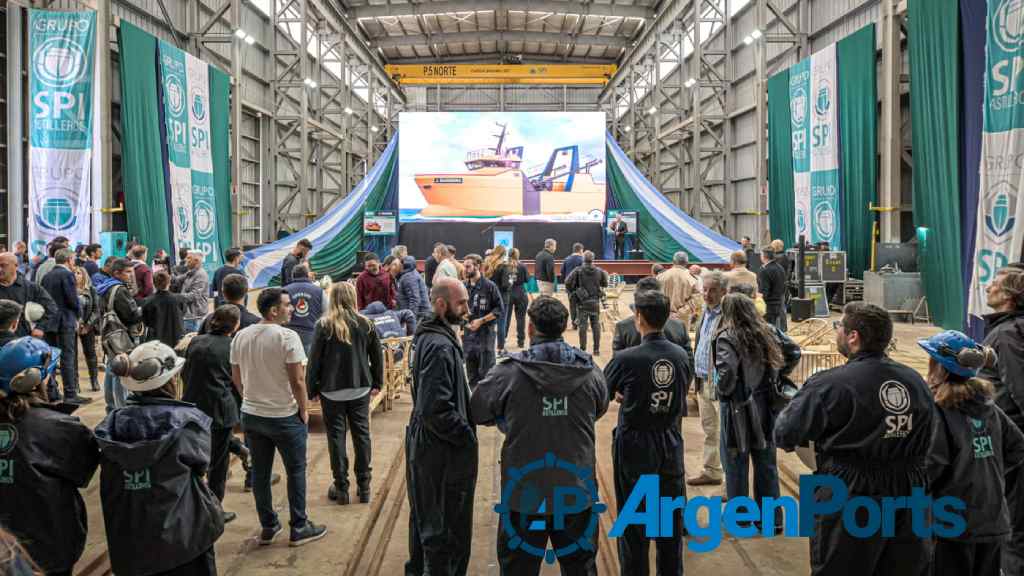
(46, 456)
(154, 453)
(975, 446)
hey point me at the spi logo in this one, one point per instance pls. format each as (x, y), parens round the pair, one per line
(895, 399)
(205, 220)
(1006, 29)
(825, 221)
(1000, 207)
(823, 100)
(798, 107)
(565, 501)
(55, 210)
(58, 63)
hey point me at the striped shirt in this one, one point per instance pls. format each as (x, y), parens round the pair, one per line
(702, 360)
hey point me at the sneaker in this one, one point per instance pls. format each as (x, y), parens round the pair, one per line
(77, 400)
(229, 517)
(334, 494)
(703, 480)
(268, 535)
(308, 533)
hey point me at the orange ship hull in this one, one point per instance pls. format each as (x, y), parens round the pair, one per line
(499, 192)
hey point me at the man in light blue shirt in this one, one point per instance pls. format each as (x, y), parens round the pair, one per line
(704, 380)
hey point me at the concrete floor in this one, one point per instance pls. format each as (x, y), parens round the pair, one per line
(372, 538)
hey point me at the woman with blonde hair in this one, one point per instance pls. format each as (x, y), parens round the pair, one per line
(345, 370)
(498, 270)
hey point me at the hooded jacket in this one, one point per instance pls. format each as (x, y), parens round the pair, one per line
(852, 413)
(545, 399)
(412, 290)
(47, 457)
(374, 288)
(390, 323)
(975, 446)
(127, 309)
(440, 434)
(335, 365)
(1006, 337)
(159, 512)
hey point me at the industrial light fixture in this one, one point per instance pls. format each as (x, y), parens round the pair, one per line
(651, 110)
(627, 128)
(348, 111)
(241, 34)
(748, 39)
(373, 129)
(690, 83)
(249, 39)
(309, 82)
(756, 34)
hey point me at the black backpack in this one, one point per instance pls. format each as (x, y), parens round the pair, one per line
(114, 336)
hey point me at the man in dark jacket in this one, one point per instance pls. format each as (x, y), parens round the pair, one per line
(162, 312)
(871, 422)
(390, 323)
(430, 267)
(412, 290)
(14, 286)
(232, 259)
(771, 283)
(545, 399)
(207, 377)
(63, 331)
(440, 443)
(374, 284)
(650, 380)
(544, 268)
(572, 262)
(297, 255)
(618, 228)
(93, 254)
(113, 291)
(154, 453)
(48, 456)
(308, 299)
(233, 289)
(479, 336)
(1005, 325)
(586, 288)
(627, 336)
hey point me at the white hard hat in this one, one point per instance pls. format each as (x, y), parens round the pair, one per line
(150, 366)
(34, 312)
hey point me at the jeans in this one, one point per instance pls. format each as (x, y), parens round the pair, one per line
(192, 324)
(113, 392)
(287, 435)
(514, 561)
(592, 318)
(737, 468)
(478, 363)
(67, 341)
(517, 304)
(220, 457)
(88, 340)
(338, 417)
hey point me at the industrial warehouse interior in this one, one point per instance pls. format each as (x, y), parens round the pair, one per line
(579, 287)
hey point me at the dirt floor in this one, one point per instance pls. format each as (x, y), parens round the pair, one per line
(365, 539)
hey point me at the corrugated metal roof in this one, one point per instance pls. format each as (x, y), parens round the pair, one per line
(501, 30)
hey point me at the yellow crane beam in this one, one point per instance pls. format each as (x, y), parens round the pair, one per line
(434, 74)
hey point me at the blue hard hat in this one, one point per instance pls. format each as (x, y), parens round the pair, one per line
(946, 346)
(27, 360)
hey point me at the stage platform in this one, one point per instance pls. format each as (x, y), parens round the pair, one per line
(630, 269)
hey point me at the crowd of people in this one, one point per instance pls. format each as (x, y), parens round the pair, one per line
(180, 376)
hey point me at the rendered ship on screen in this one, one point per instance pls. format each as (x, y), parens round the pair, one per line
(496, 185)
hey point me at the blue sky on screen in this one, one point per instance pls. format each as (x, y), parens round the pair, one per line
(438, 141)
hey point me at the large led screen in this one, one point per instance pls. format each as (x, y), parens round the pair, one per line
(504, 165)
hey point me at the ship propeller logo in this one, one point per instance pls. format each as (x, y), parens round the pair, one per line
(566, 500)
(1007, 25)
(1000, 210)
(59, 62)
(175, 94)
(823, 101)
(798, 106)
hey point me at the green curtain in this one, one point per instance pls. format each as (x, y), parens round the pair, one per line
(142, 164)
(858, 143)
(934, 105)
(339, 255)
(781, 200)
(220, 104)
(659, 246)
